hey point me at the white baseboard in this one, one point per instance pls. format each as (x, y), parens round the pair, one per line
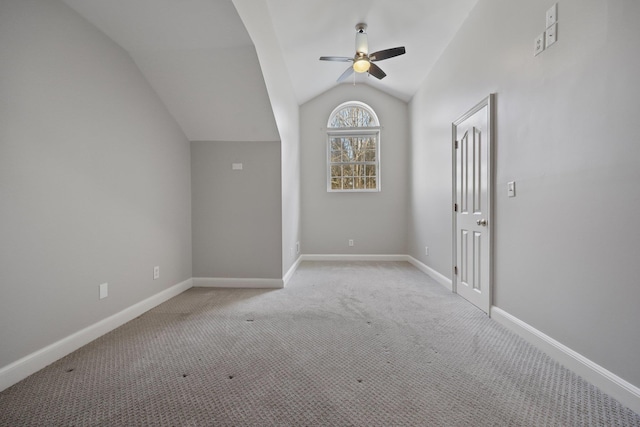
(607, 381)
(625, 392)
(22, 368)
(221, 282)
(292, 270)
(349, 257)
(440, 278)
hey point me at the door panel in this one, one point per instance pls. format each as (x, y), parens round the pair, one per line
(472, 225)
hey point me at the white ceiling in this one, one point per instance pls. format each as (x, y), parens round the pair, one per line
(310, 29)
(184, 48)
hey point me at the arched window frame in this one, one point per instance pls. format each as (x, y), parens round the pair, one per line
(344, 172)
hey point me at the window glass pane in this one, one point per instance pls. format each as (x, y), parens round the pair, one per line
(353, 156)
(359, 152)
(349, 150)
(352, 117)
(336, 156)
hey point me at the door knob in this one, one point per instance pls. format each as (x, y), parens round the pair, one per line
(482, 222)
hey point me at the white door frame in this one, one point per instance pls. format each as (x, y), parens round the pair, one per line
(488, 102)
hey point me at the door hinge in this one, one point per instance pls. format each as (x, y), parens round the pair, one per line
(455, 270)
(455, 207)
(456, 144)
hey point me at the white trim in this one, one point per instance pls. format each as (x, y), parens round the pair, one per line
(350, 257)
(292, 270)
(337, 132)
(248, 283)
(440, 278)
(22, 368)
(607, 381)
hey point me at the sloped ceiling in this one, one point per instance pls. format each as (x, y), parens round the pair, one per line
(200, 60)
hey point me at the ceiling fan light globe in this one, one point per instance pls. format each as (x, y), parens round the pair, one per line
(361, 65)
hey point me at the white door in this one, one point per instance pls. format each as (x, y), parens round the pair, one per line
(472, 205)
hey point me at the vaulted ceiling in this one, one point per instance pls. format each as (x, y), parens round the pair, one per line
(199, 58)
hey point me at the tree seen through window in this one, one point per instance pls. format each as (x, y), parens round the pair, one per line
(354, 135)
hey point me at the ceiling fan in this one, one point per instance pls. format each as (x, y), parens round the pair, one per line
(363, 61)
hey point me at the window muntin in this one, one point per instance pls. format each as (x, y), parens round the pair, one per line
(352, 115)
(353, 149)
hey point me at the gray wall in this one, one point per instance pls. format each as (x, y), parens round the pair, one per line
(376, 221)
(566, 260)
(193, 83)
(236, 213)
(94, 179)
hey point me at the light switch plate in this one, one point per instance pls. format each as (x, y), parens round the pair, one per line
(552, 35)
(104, 290)
(552, 15)
(511, 189)
(236, 166)
(538, 45)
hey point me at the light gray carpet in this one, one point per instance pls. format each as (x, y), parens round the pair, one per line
(363, 344)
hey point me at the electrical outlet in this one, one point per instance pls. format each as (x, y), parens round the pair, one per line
(104, 290)
(538, 44)
(552, 35)
(351, 243)
(297, 247)
(156, 272)
(426, 250)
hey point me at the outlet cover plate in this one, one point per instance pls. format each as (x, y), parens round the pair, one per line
(538, 44)
(552, 15)
(552, 35)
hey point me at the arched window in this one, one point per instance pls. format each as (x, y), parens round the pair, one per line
(353, 148)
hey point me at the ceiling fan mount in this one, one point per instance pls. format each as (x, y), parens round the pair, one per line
(362, 61)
